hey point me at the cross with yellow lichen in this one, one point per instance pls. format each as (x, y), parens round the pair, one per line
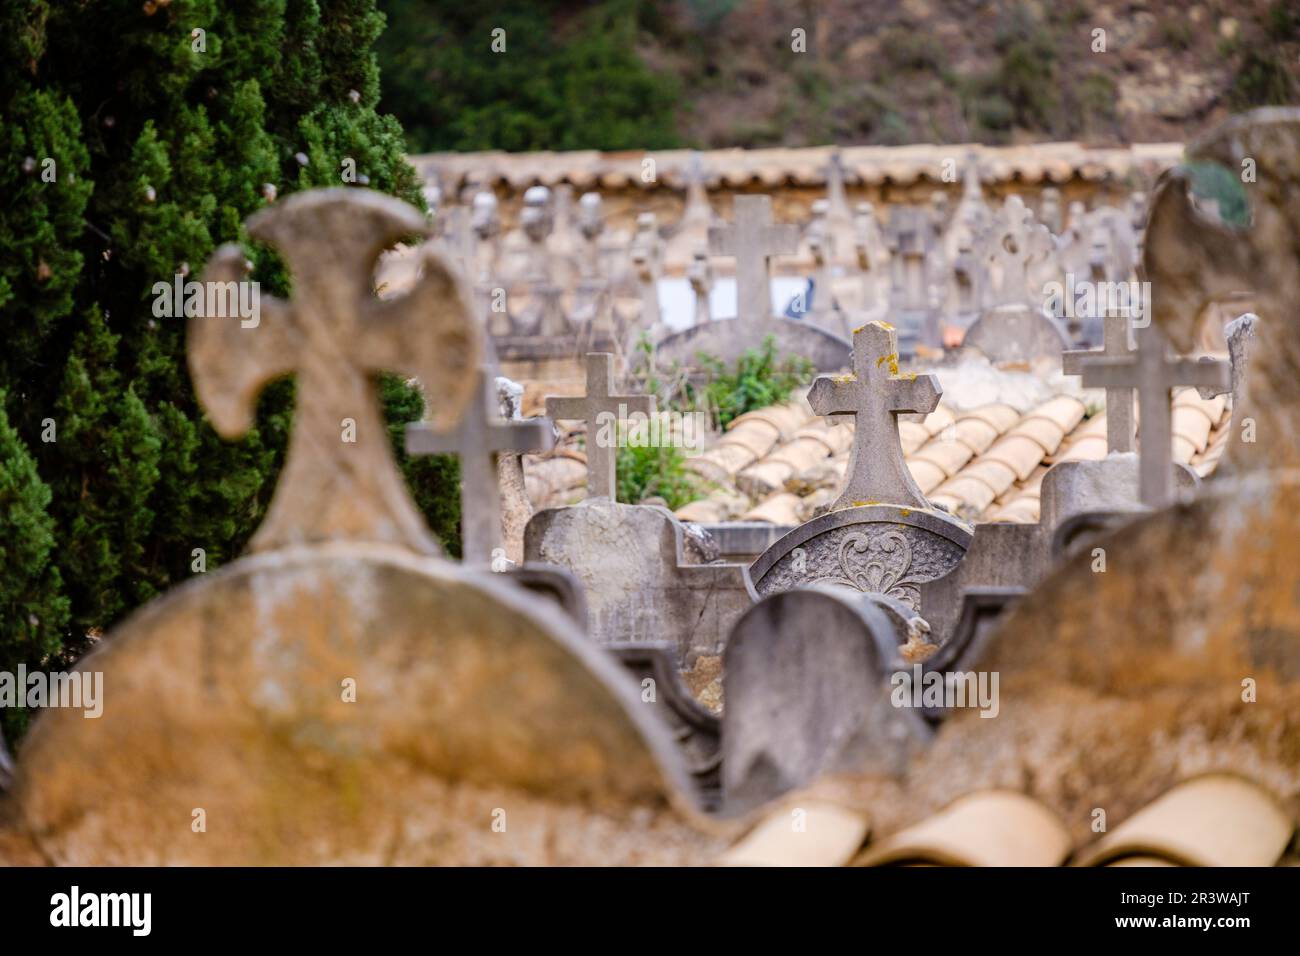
(876, 394)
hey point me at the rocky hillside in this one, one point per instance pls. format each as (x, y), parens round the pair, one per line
(889, 72)
(653, 74)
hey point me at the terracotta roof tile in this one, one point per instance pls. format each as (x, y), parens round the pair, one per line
(986, 828)
(830, 836)
(928, 476)
(782, 508)
(1193, 418)
(1215, 820)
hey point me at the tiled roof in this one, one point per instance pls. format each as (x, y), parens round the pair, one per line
(981, 454)
(1210, 820)
(1044, 163)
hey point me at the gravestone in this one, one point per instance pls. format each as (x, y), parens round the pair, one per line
(881, 534)
(751, 240)
(808, 693)
(476, 439)
(631, 561)
(1153, 375)
(700, 275)
(1191, 260)
(1016, 329)
(343, 695)
(910, 308)
(647, 262)
(543, 313)
(592, 314)
(823, 311)
(599, 409)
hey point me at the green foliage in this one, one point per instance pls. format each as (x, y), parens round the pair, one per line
(434, 480)
(757, 380)
(1261, 80)
(33, 609)
(162, 150)
(654, 472)
(565, 80)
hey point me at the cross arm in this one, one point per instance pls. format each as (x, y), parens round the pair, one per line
(833, 395)
(1072, 360)
(917, 394)
(1102, 372)
(568, 408)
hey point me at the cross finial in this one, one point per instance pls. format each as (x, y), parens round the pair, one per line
(1153, 373)
(595, 406)
(876, 394)
(482, 433)
(1119, 398)
(750, 240)
(339, 479)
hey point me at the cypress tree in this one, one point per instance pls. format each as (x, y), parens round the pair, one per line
(170, 121)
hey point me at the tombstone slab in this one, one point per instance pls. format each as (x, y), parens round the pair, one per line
(729, 339)
(631, 561)
(228, 695)
(1014, 334)
(344, 695)
(807, 693)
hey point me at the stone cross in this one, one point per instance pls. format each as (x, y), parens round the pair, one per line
(1012, 247)
(339, 481)
(596, 404)
(647, 255)
(700, 275)
(876, 393)
(1119, 398)
(476, 440)
(750, 240)
(908, 233)
(1153, 374)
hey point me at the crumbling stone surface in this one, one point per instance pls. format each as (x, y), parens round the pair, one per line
(230, 695)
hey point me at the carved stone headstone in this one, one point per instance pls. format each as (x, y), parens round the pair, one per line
(881, 534)
(339, 696)
(700, 275)
(1016, 329)
(339, 479)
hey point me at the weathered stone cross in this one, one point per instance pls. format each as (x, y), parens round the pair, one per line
(591, 408)
(750, 240)
(339, 481)
(1120, 422)
(482, 433)
(876, 394)
(1153, 373)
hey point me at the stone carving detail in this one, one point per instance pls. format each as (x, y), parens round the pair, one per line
(878, 563)
(877, 549)
(333, 335)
